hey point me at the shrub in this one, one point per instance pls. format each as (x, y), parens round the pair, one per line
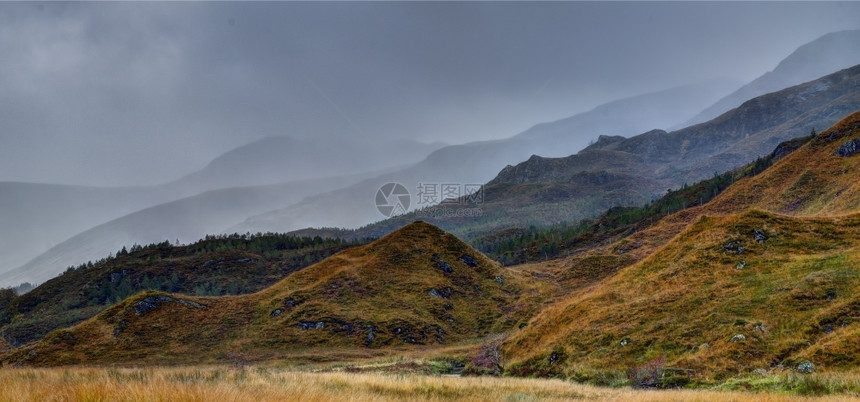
(488, 360)
(648, 374)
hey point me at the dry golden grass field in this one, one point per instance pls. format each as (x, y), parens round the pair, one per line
(263, 384)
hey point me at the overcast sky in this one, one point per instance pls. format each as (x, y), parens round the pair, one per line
(141, 93)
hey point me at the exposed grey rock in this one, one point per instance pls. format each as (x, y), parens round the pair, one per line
(500, 280)
(738, 338)
(805, 367)
(444, 293)
(444, 266)
(144, 306)
(759, 235)
(276, 312)
(150, 303)
(468, 260)
(306, 325)
(847, 149)
(734, 246)
(741, 265)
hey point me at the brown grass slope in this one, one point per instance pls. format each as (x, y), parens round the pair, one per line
(811, 181)
(416, 286)
(792, 297)
(686, 291)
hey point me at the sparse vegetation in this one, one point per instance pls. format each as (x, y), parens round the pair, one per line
(267, 384)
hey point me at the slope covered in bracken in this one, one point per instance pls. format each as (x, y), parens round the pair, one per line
(416, 286)
(762, 276)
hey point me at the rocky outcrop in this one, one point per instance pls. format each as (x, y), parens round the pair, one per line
(151, 303)
(847, 149)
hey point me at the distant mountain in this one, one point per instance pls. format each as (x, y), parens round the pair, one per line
(829, 53)
(35, 217)
(354, 299)
(38, 217)
(614, 171)
(283, 159)
(187, 219)
(479, 162)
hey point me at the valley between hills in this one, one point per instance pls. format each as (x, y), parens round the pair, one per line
(719, 261)
(746, 291)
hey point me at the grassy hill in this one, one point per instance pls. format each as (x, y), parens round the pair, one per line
(789, 298)
(811, 181)
(416, 286)
(786, 283)
(214, 266)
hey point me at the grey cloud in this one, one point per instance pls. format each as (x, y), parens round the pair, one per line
(110, 93)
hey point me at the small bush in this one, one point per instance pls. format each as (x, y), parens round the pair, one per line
(648, 374)
(488, 360)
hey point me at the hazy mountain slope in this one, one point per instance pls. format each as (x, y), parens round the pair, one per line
(613, 171)
(354, 299)
(831, 52)
(215, 266)
(624, 117)
(187, 219)
(283, 159)
(478, 162)
(35, 217)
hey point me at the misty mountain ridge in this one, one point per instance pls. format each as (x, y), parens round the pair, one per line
(617, 171)
(550, 190)
(276, 159)
(282, 159)
(478, 162)
(186, 219)
(37, 217)
(829, 53)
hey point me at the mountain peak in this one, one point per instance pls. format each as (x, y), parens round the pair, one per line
(827, 54)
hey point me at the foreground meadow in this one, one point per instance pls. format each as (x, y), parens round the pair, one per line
(261, 384)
